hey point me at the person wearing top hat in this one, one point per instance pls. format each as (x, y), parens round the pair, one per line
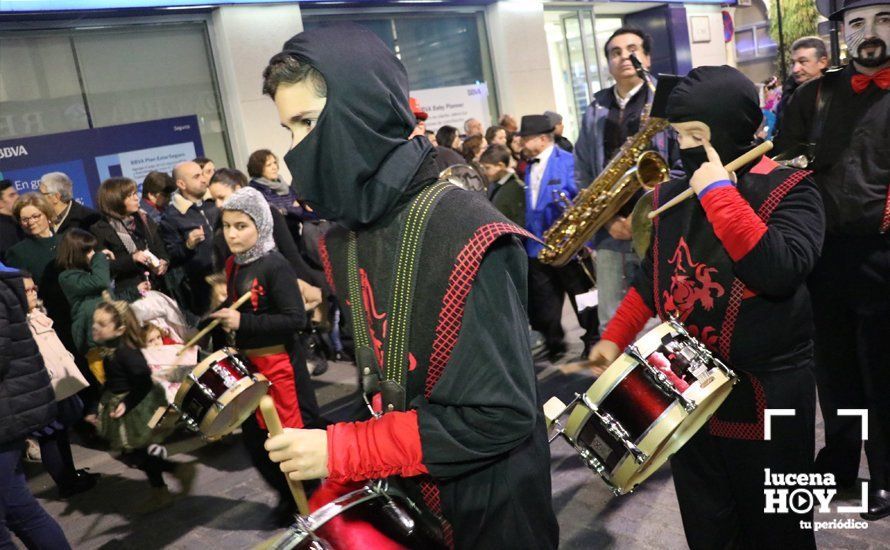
(549, 180)
(840, 121)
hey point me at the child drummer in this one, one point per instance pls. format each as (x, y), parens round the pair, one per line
(731, 264)
(263, 329)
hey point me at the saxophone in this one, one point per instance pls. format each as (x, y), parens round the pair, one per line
(632, 168)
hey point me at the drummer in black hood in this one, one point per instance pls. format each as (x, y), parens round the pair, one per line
(731, 265)
(433, 282)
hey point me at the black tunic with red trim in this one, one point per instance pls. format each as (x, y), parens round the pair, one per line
(473, 434)
(732, 268)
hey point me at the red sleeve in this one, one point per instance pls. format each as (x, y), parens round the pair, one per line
(735, 223)
(629, 319)
(376, 448)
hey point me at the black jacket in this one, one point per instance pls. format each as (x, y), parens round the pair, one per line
(79, 216)
(125, 272)
(180, 218)
(10, 233)
(27, 402)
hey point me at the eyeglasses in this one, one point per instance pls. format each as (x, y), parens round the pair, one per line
(31, 219)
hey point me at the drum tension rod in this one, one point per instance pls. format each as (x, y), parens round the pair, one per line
(201, 386)
(615, 428)
(661, 381)
(702, 350)
(189, 421)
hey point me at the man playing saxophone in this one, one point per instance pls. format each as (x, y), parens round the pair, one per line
(614, 115)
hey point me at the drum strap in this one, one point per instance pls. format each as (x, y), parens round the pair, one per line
(404, 277)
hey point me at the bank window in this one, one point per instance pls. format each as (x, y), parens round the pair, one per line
(754, 42)
(76, 79)
(438, 50)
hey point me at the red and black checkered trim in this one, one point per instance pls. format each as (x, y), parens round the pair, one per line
(738, 288)
(751, 431)
(326, 262)
(466, 266)
(433, 500)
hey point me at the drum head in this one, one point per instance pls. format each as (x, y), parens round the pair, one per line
(236, 405)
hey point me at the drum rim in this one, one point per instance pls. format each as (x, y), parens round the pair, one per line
(226, 398)
(197, 372)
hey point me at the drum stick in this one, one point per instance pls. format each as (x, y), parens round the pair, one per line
(213, 324)
(753, 154)
(273, 423)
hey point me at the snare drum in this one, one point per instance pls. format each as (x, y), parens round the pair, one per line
(386, 507)
(644, 407)
(219, 394)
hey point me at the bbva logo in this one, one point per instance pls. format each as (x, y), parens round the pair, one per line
(14, 151)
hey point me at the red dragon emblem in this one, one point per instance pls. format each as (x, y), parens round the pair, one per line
(691, 285)
(373, 318)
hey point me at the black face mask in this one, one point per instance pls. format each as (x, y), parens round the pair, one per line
(692, 159)
(703, 95)
(357, 165)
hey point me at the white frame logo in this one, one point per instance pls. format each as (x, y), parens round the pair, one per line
(800, 493)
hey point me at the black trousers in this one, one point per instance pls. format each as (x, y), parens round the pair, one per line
(547, 288)
(719, 473)
(850, 291)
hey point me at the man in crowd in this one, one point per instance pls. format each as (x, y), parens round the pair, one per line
(612, 117)
(850, 286)
(10, 230)
(58, 190)
(809, 59)
(561, 141)
(187, 230)
(550, 175)
(473, 127)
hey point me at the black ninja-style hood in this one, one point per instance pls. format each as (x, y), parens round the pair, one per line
(357, 164)
(725, 100)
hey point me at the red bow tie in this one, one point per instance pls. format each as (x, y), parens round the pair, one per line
(881, 79)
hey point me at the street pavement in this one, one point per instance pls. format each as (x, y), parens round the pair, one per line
(230, 505)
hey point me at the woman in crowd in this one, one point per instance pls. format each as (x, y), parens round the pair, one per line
(66, 379)
(262, 167)
(138, 253)
(448, 136)
(473, 148)
(207, 167)
(496, 135)
(36, 254)
(26, 397)
(129, 401)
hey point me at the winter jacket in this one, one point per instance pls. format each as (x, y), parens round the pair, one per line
(66, 378)
(79, 216)
(180, 217)
(27, 402)
(126, 272)
(83, 289)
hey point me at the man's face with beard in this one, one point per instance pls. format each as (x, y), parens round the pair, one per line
(867, 34)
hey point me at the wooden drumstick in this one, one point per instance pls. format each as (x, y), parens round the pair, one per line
(273, 424)
(753, 154)
(213, 324)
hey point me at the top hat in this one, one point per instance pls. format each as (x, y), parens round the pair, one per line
(535, 124)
